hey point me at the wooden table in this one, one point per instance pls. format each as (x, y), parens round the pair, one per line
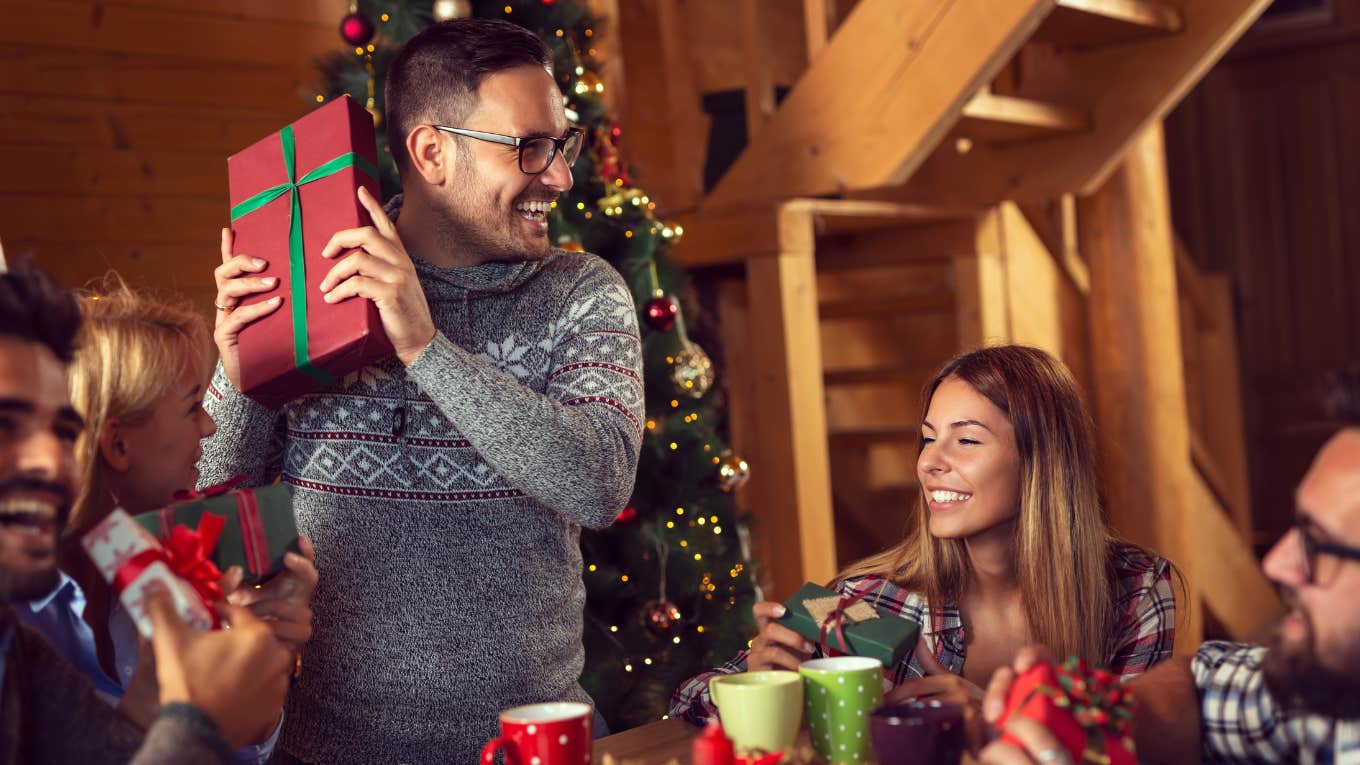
(662, 743)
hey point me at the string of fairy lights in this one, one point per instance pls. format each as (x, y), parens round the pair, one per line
(625, 208)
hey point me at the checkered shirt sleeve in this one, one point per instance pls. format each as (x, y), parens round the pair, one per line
(1146, 603)
(1242, 723)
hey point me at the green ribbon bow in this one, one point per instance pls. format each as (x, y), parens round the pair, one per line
(297, 266)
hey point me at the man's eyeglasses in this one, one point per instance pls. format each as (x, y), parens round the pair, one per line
(536, 154)
(1312, 546)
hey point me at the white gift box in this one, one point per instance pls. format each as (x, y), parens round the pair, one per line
(116, 541)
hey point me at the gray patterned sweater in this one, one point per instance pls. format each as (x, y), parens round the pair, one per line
(445, 500)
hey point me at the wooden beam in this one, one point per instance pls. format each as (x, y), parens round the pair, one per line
(690, 124)
(980, 291)
(1229, 576)
(994, 119)
(1094, 23)
(1140, 407)
(790, 484)
(1224, 430)
(829, 137)
(892, 305)
(1045, 309)
(817, 22)
(730, 235)
(759, 70)
(1127, 88)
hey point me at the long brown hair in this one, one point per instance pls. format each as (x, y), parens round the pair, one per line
(1062, 542)
(133, 347)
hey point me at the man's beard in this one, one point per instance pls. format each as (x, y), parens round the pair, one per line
(16, 585)
(31, 585)
(490, 240)
(1298, 680)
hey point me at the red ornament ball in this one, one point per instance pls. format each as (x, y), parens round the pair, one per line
(627, 515)
(661, 312)
(661, 617)
(356, 29)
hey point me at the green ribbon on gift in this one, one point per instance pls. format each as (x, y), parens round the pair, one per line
(297, 265)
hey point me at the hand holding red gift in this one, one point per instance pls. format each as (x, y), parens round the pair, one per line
(1070, 708)
(378, 268)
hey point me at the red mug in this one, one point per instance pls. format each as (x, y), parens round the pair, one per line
(555, 733)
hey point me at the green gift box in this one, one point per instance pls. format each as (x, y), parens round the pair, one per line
(259, 527)
(868, 631)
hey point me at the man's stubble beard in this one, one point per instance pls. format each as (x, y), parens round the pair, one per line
(1297, 678)
(470, 233)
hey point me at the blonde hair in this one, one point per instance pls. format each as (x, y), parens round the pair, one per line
(132, 350)
(1062, 542)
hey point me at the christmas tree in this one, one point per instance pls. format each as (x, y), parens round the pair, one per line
(669, 586)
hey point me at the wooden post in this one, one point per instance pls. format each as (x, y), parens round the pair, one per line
(982, 312)
(817, 22)
(789, 490)
(1125, 232)
(759, 70)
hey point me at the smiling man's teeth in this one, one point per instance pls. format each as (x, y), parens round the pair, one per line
(949, 496)
(534, 210)
(30, 512)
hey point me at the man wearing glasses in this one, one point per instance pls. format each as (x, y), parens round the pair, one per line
(445, 488)
(1296, 700)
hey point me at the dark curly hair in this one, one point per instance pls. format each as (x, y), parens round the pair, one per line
(37, 308)
(1343, 396)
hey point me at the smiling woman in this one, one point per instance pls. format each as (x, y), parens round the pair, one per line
(1007, 545)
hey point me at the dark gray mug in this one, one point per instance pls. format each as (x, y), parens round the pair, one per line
(917, 732)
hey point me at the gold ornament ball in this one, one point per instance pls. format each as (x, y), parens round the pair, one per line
(660, 616)
(692, 371)
(732, 471)
(443, 10)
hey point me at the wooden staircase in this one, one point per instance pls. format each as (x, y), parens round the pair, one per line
(978, 152)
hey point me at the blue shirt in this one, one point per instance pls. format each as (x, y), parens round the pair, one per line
(59, 618)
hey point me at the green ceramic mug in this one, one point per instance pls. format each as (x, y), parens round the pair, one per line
(759, 710)
(841, 692)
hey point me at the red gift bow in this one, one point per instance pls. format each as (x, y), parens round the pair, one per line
(1096, 711)
(254, 541)
(187, 553)
(209, 491)
(837, 617)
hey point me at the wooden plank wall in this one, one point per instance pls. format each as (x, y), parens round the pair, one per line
(1265, 177)
(118, 117)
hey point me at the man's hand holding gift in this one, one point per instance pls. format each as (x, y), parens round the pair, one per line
(1044, 712)
(378, 268)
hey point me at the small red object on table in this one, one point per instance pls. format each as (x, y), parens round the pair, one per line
(289, 193)
(1090, 712)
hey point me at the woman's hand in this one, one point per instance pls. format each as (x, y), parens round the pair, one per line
(939, 684)
(284, 603)
(776, 646)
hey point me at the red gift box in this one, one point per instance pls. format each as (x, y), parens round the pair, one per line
(289, 193)
(1089, 711)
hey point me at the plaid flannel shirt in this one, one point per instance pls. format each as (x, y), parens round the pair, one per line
(1241, 722)
(1144, 599)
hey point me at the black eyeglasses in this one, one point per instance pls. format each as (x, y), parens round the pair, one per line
(536, 154)
(1312, 546)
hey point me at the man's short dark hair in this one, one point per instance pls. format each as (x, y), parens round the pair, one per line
(1343, 396)
(37, 308)
(436, 75)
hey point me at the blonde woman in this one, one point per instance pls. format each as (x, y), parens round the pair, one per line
(1007, 545)
(138, 379)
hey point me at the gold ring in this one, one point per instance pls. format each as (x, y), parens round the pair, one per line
(297, 665)
(221, 308)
